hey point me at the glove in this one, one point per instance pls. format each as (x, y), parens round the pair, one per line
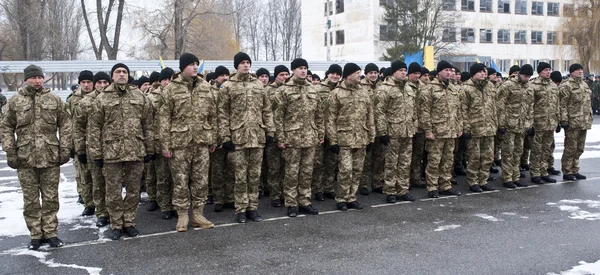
(64, 156)
(229, 146)
(564, 125)
(72, 154)
(335, 149)
(369, 146)
(12, 160)
(155, 156)
(325, 143)
(385, 140)
(99, 163)
(557, 128)
(270, 140)
(147, 158)
(82, 158)
(531, 132)
(501, 131)
(466, 135)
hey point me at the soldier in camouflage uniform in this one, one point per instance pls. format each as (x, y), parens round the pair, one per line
(576, 118)
(396, 121)
(188, 131)
(515, 109)
(350, 127)
(419, 155)
(299, 125)
(545, 119)
(325, 165)
(480, 123)
(80, 131)
(245, 126)
(150, 167)
(374, 161)
(596, 96)
(440, 116)
(34, 116)
(2, 101)
(120, 136)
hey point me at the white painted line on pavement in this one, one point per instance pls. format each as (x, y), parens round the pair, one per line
(481, 193)
(440, 198)
(390, 204)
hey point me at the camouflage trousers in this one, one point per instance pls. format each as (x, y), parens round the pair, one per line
(275, 171)
(397, 166)
(298, 175)
(541, 150)
(324, 170)
(122, 211)
(85, 184)
(550, 159)
(418, 162)
(189, 169)
(351, 165)
(150, 180)
(246, 166)
(164, 184)
(440, 157)
(99, 189)
(527, 145)
(222, 177)
(373, 170)
(497, 147)
(41, 219)
(460, 153)
(480, 158)
(574, 145)
(512, 150)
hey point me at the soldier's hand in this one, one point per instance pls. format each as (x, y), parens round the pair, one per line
(385, 140)
(167, 154)
(564, 125)
(369, 146)
(531, 132)
(335, 149)
(229, 146)
(12, 160)
(501, 131)
(557, 128)
(155, 156)
(212, 148)
(430, 136)
(82, 158)
(281, 146)
(147, 158)
(72, 154)
(99, 163)
(270, 140)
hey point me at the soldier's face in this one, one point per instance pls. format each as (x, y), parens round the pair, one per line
(315, 81)
(414, 76)
(456, 76)
(425, 78)
(299, 72)
(120, 76)
(373, 75)
(145, 86)
(86, 85)
(545, 73)
(309, 77)
(354, 78)
(524, 78)
(244, 67)
(165, 82)
(35, 81)
(480, 76)
(100, 85)
(493, 78)
(264, 79)
(334, 77)
(445, 74)
(190, 70)
(222, 78)
(577, 73)
(400, 74)
(282, 76)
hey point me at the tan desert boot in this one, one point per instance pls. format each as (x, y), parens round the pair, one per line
(198, 219)
(182, 221)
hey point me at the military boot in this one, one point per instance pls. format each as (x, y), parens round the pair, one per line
(182, 221)
(198, 219)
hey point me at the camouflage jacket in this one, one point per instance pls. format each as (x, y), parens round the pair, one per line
(479, 100)
(271, 90)
(324, 89)
(349, 119)
(440, 111)
(396, 109)
(188, 115)
(120, 127)
(2, 102)
(35, 116)
(81, 115)
(372, 88)
(515, 106)
(545, 104)
(245, 114)
(155, 95)
(575, 105)
(298, 121)
(72, 108)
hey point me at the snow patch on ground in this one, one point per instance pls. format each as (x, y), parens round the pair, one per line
(591, 151)
(582, 269)
(579, 209)
(509, 213)
(488, 217)
(42, 257)
(447, 227)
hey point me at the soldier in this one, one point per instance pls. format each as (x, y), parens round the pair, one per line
(34, 116)
(150, 167)
(154, 80)
(441, 119)
(245, 127)
(480, 122)
(493, 77)
(596, 96)
(80, 131)
(419, 155)
(2, 101)
(120, 136)
(325, 164)
(512, 73)
(424, 76)
(396, 121)
(351, 131)
(515, 111)
(263, 76)
(576, 118)
(309, 76)
(84, 183)
(299, 125)
(374, 160)
(556, 77)
(144, 84)
(315, 80)
(188, 121)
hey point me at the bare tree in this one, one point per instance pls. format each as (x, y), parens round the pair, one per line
(111, 47)
(582, 29)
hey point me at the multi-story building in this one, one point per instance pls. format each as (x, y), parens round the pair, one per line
(504, 31)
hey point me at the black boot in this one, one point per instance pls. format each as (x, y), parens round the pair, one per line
(433, 194)
(209, 200)
(167, 215)
(254, 216)
(579, 176)
(55, 242)
(406, 197)
(453, 182)
(309, 209)
(240, 217)
(553, 171)
(520, 184)
(487, 188)
(341, 206)
(569, 177)
(475, 188)
(537, 180)
(276, 203)
(80, 200)
(354, 205)
(229, 205)
(88, 211)
(329, 195)
(131, 231)
(494, 170)
(525, 167)
(390, 198)
(35, 244)
(509, 184)
(377, 190)
(363, 191)
(292, 211)
(460, 171)
(218, 207)
(102, 222)
(319, 196)
(152, 206)
(450, 192)
(548, 179)
(115, 234)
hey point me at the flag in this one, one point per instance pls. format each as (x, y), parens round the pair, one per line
(516, 63)
(477, 59)
(493, 65)
(415, 57)
(201, 66)
(428, 57)
(161, 63)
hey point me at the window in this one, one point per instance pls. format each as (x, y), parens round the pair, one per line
(504, 36)
(568, 10)
(339, 37)
(467, 5)
(339, 6)
(449, 35)
(485, 36)
(467, 35)
(485, 6)
(449, 5)
(504, 65)
(551, 38)
(520, 6)
(521, 62)
(328, 7)
(520, 37)
(536, 37)
(552, 9)
(537, 8)
(535, 64)
(330, 38)
(552, 63)
(386, 2)
(383, 33)
(566, 64)
(503, 6)
(567, 38)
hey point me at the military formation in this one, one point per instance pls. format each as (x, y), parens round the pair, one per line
(230, 138)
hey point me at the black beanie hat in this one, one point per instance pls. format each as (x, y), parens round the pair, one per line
(101, 76)
(382, 70)
(262, 71)
(142, 80)
(316, 76)
(475, 68)
(371, 67)
(120, 65)
(33, 70)
(575, 67)
(414, 67)
(443, 65)
(349, 69)
(335, 68)
(298, 62)
(556, 76)
(542, 66)
(154, 76)
(526, 70)
(464, 76)
(187, 59)
(239, 57)
(166, 73)
(308, 72)
(85, 75)
(491, 71)
(387, 72)
(397, 65)
(280, 69)
(131, 80)
(433, 73)
(210, 76)
(424, 71)
(513, 69)
(221, 70)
